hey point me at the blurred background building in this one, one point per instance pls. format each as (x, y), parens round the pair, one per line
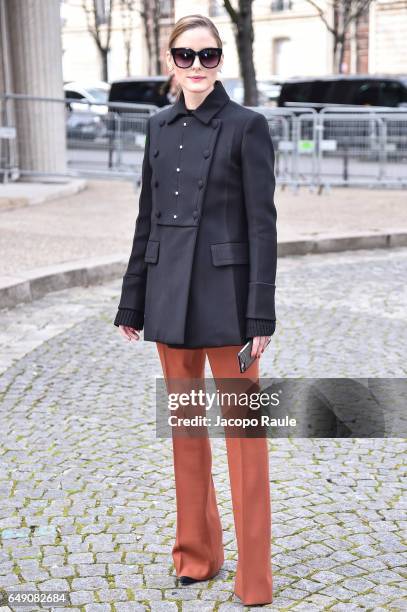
(291, 37)
(64, 64)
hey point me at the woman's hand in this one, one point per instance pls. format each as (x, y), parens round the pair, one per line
(129, 332)
(259, 344)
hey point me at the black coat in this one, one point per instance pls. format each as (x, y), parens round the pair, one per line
(203, 262)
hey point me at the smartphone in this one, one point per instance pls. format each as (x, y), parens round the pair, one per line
(244, 356)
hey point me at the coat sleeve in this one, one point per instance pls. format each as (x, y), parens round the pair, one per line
(131, 305)
(259, 187)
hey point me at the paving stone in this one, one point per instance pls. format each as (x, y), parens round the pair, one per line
(112, 595)
(97, 607)
(130, 581)
(89, 584)
(102, 506)
(79, 598)
(130, 606)
(80, 558)
(147, 594)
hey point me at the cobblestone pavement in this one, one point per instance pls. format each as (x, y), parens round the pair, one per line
(86, 492)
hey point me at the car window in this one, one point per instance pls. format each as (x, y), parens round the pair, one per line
(73, 94)
(296, 92)
(100, 95)
(391, 93)
(368, 94)
(140, 92)
(342, 91)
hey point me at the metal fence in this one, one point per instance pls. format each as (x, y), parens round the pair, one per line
(336, 146)
(68, 137)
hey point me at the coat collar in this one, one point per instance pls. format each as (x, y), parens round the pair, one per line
(206, 110)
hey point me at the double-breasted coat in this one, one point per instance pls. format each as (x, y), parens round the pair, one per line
(203, 262)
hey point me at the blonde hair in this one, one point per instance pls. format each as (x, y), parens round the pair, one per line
(188, 23)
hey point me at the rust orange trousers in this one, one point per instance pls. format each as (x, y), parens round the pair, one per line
(198, 550)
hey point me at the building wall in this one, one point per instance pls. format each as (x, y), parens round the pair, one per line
(81, 60)
(300, 26)
(289, 42)
(308, 49)
(388, 37)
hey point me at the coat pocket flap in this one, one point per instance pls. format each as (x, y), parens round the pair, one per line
(230, 253)
(152, 249)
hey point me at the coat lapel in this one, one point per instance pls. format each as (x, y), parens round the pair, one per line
(206, 110)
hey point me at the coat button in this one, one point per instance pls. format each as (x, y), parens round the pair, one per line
(200, 183)
(162, 121)
(206, 153)
(195, 214)
(178, 169)
(158, 213)
(156, 152)
(175, 216)
(215, 123)
(180, 146)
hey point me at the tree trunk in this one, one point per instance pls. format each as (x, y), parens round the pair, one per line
(105, 70)
(128, 56)
(244, 35)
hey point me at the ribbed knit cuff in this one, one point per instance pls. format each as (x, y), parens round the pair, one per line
(131, 318)
(260, 327)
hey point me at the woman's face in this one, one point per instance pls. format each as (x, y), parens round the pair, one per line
(196, 39)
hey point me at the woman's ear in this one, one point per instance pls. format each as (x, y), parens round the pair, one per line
(169, 63)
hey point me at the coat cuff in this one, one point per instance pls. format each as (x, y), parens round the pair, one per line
(260, 303)
(260, 327)
(130, 318)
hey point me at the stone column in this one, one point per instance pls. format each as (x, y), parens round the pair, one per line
(34, 28)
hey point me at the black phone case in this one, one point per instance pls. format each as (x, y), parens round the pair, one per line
(244, 357)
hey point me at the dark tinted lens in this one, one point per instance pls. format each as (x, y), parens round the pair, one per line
(209, 58)
(183, 58)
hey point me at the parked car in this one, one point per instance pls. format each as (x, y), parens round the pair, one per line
(271, 88)
(362, 136)
(140, 90)
(86, 109)
(363, 90)
(153, 90)
(235, 90)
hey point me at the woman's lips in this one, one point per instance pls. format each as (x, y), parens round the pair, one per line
(197, 78)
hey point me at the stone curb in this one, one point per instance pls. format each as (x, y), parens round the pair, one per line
(36, 283)
(14, 195)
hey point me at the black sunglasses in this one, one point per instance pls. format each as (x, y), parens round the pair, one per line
(185, 57)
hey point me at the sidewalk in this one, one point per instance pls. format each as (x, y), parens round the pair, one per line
(86, 237)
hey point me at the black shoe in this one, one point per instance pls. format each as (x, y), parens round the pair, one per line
(184, 580)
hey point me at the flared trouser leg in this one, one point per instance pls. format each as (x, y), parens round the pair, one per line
(248, 462)
(198, 550)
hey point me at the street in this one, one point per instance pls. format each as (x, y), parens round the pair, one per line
(87, 494)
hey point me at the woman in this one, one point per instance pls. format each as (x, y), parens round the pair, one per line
(201, 281)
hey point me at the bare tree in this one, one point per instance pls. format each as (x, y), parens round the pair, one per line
(99, 23)
(151, 13)
(145, 18)
(242, 20)
(345, 12)
(128, 9)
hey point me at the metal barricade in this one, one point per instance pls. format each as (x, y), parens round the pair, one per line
(336, 145)
(362, 146)
(69, 137)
